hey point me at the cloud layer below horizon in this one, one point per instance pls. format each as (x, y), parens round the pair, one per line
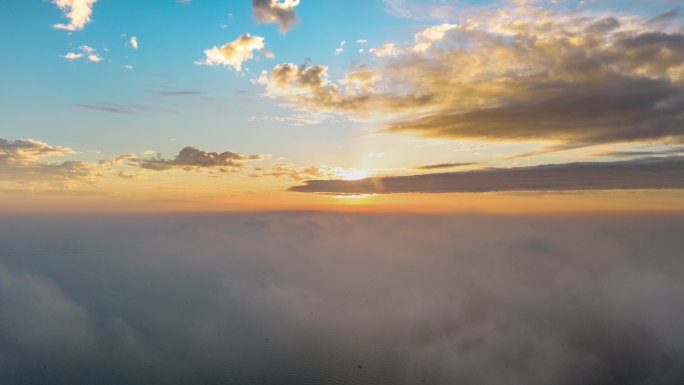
(334, 298)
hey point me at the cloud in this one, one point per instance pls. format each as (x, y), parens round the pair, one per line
(665, 17)
(649, 173)
(236, 52)
(520, 74)
(190, 158)
(276, 11)
(26, 151)
(35, 315)
(388, 49)
(444, 165)
(24, 161)
(340, 49)
(309, 297)
(641, 153)
(134, 42)
(87, 52)
(114, 108)
(180, 93)
(77, 11)
(297, 174)
(310, 88)
(73, 56)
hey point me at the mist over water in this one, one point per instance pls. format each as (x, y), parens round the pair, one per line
(323, 298)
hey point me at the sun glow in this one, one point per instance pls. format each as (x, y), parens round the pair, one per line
(355, 174)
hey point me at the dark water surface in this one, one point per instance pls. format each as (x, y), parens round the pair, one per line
(320, 298)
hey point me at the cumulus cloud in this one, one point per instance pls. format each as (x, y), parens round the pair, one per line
(281, 12)
(310, 88)
(87, 52)
(25, 161)
(77, 11)
(25, 151)
(73, 56)
(190, 158)
(342, 298)
(134, 42)
(649, 173)
(389, 49)
(516, 74)
(236, 52)
(95, 58)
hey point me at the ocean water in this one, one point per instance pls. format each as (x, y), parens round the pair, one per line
(323, 298)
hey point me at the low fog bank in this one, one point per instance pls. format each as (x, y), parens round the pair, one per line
(311, 298)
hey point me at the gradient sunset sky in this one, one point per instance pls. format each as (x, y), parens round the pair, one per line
(208, 105)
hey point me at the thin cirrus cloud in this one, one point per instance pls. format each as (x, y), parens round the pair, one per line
(648, 173)
(235, 53)
(77, 11)
(191, 158)
(281, 12)
(527, 74)
(444, 165)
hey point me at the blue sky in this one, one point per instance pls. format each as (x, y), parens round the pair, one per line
(402, 84)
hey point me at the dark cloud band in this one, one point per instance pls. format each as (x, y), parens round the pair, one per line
(652, 173)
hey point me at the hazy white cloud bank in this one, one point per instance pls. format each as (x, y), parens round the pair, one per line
(337, 298)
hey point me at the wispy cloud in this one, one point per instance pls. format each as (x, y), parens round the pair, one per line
(444, 165)
(114, 108)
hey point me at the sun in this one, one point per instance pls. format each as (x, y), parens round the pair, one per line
(356, 174)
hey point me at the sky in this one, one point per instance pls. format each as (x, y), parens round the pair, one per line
(394, 105)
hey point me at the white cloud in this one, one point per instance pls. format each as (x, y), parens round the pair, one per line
(73, 56)
(340, 49)
(236, 52)
(77, 11)
(134, 42)
(87, 52)
(389, 49)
